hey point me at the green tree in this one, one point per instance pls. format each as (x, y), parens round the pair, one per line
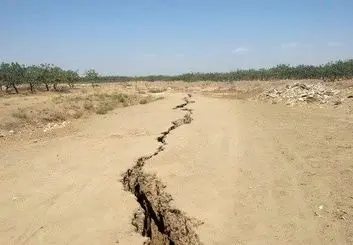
(32, 76)
(91, 76)
(72, 77)
(57, 75)
(4, 73)
(45, 76)
(13, 74)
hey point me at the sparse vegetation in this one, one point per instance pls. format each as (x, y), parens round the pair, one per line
(15, 77)
(157, 90)
(20, 114)
(64, 107)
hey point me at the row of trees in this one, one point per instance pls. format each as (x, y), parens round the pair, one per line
(14, 74)
(328, 72)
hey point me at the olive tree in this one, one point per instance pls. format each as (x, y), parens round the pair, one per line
(4, 69)
(12, 75)
(45, 76)
(57, 75)
(32, 76)
(72, 77)
(91, 76)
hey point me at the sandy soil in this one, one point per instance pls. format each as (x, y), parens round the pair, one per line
(246, 172)
(262, 174)
(66, 190)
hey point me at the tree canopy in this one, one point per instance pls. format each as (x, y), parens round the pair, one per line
(13, 74)
(328, 72)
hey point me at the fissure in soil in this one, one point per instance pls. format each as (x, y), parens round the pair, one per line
(156, 218)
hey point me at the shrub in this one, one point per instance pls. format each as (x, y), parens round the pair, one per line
(143, 101)
(21, 114)
(157, 90)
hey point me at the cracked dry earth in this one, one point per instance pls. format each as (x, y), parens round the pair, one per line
(157, 218)
(223, 172)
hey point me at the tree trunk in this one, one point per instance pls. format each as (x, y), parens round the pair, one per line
(31, 86)
(47, 86)
(14, 86)
(54, 86)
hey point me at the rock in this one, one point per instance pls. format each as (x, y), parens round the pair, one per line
(310, 99)
(303, 86)
(329, 93)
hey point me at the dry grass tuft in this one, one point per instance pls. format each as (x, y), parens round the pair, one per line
(157, 90)
(20, 114)
(47, 115)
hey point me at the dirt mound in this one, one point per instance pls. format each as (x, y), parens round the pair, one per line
(298, 93)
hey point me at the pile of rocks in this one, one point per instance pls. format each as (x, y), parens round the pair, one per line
(50, 126)
(4, 133)
(302, 93)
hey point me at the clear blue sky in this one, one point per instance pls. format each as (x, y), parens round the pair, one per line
(131, 37)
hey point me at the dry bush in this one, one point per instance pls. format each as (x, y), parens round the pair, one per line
(104, 108)
(21, 113)
(49, 115)
(157, 90)
(10, 124)
(88, 105)
(143, 101)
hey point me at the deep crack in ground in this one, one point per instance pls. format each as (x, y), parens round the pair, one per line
(156, 218)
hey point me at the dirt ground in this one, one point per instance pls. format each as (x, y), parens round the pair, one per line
(222, 165)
